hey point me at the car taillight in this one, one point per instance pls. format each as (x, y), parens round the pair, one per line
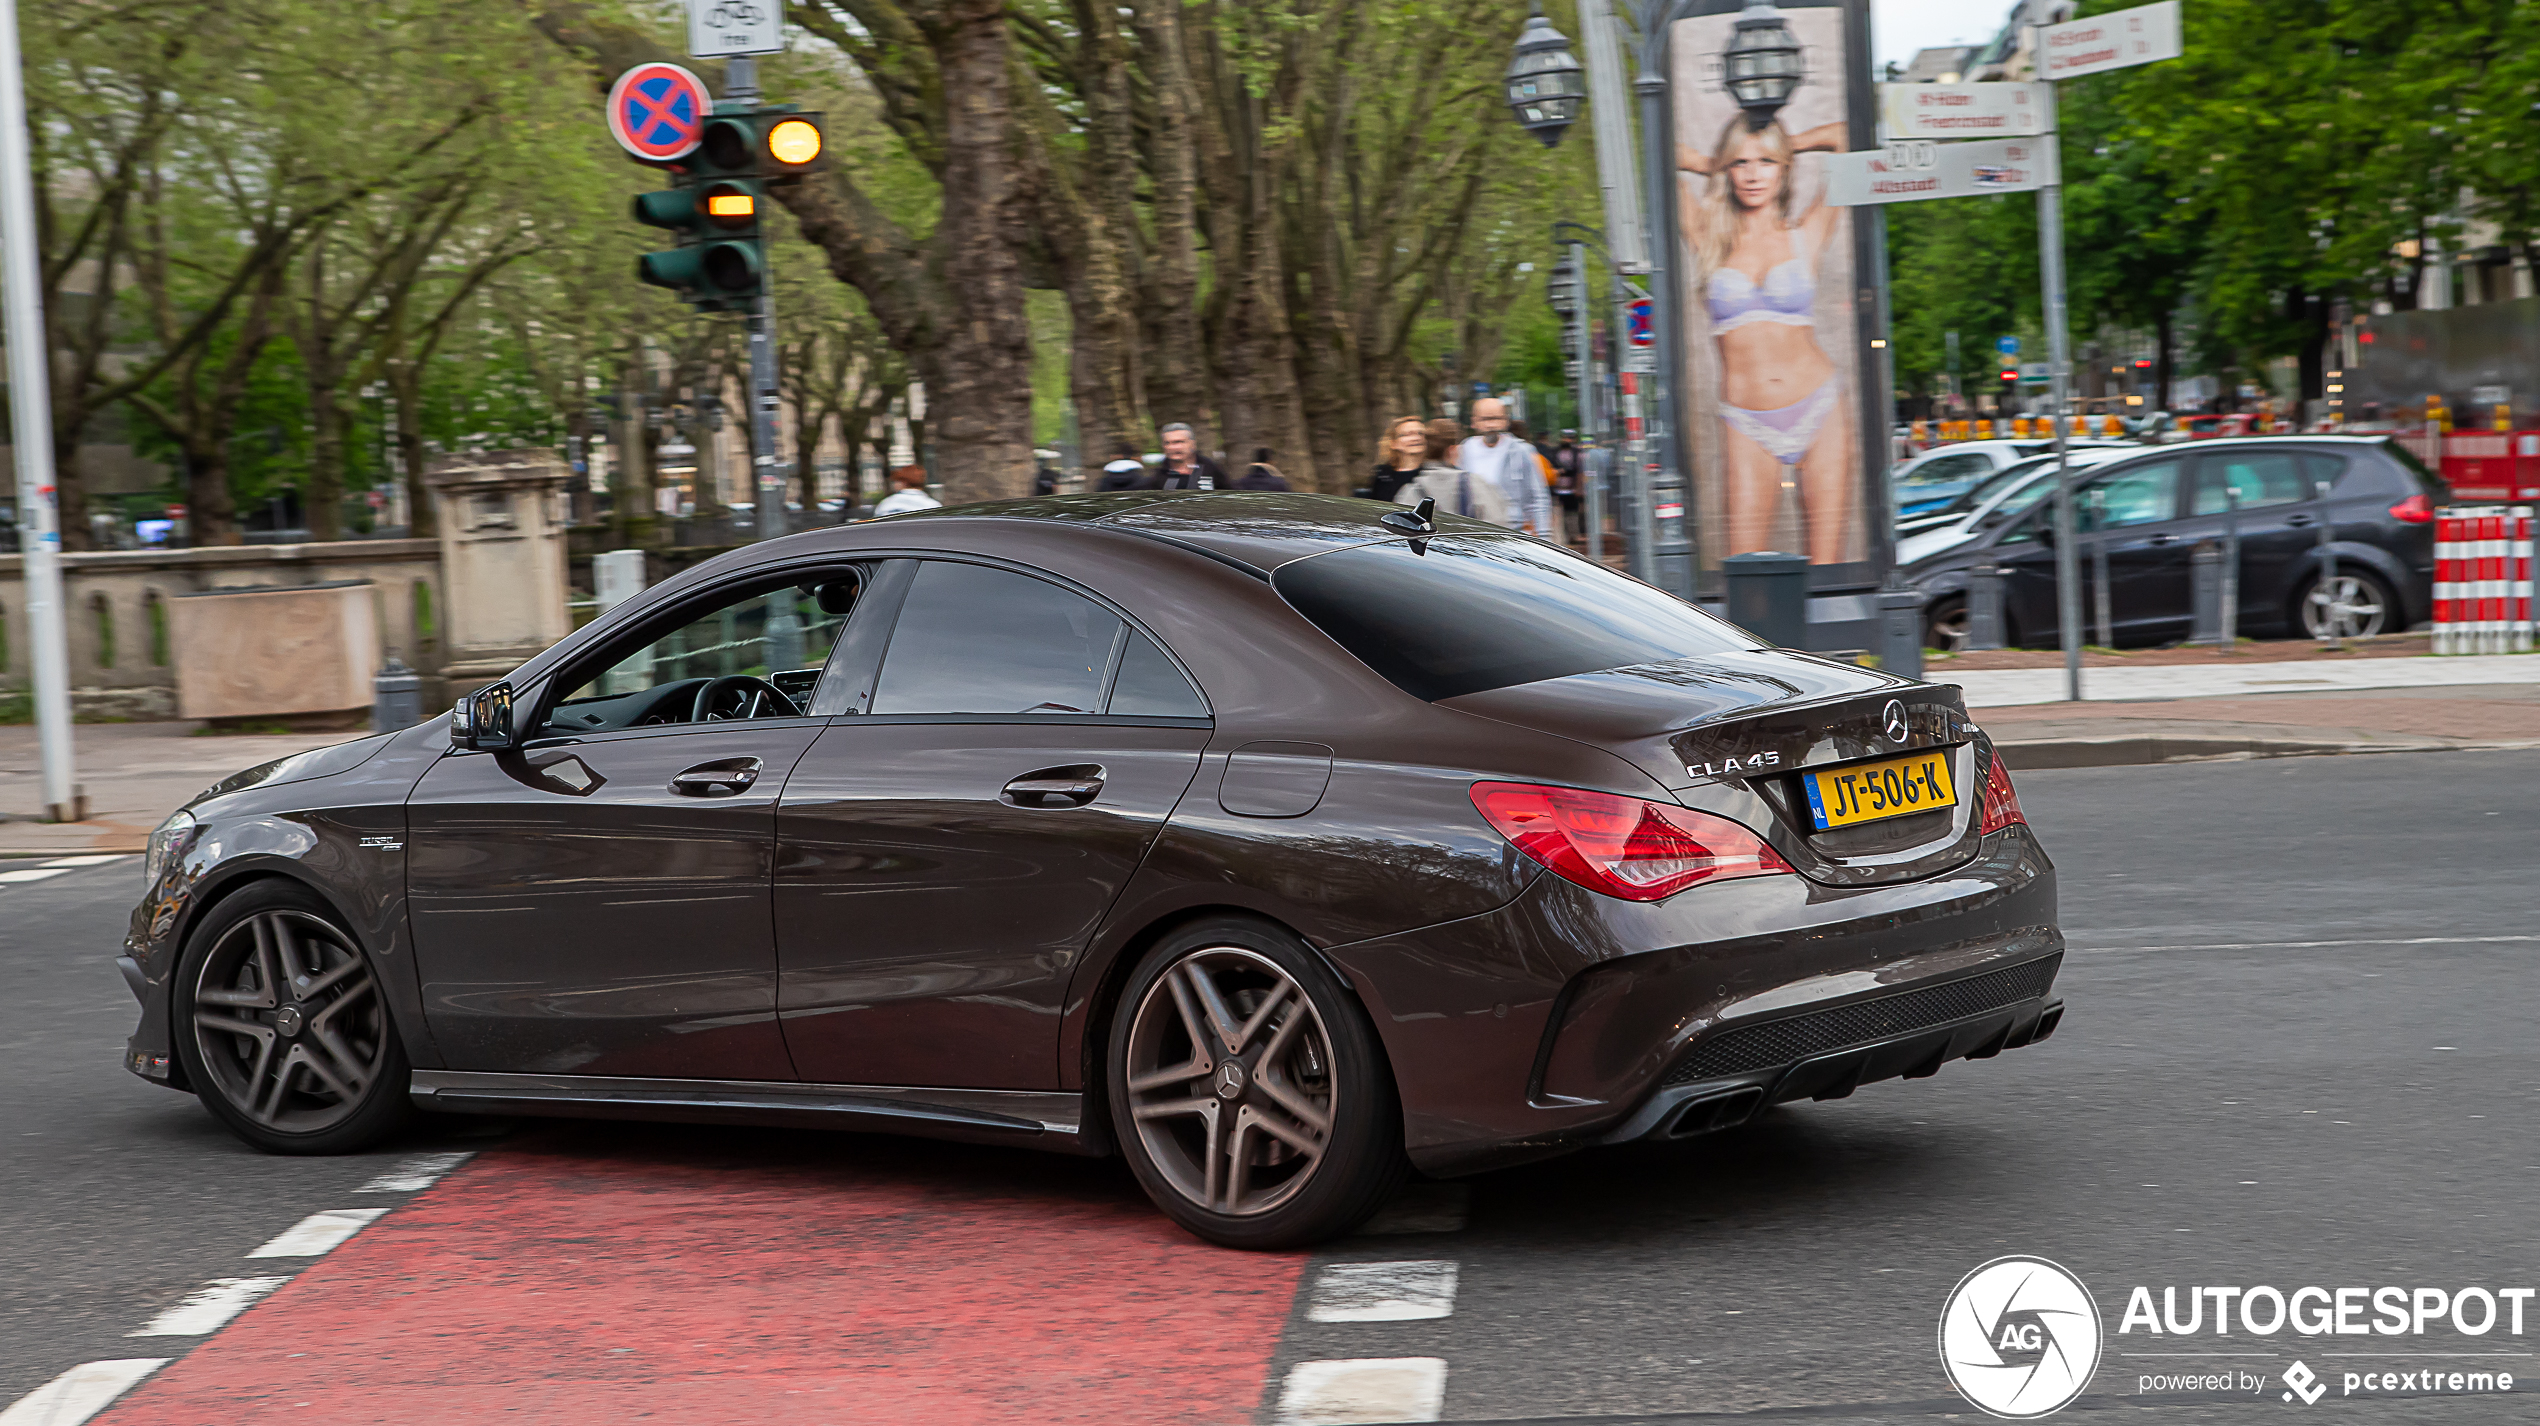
(2001, 804)
(2415, 510)
(1623, 846)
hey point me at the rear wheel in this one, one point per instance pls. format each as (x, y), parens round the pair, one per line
(1248, 1091)
(282, 1028)
(1945, 628)
(2352, 606)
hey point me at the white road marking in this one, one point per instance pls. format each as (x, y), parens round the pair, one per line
(1422, 1208)
(33, 873)
(1367, 1389)
(1382, 1292)
(208, 1308)
(2315, 945)
(98, 860)
(318, 1233)
(80, 1393)
(415, 1174)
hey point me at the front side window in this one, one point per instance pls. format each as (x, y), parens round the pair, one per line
(972, 639)
(2137, 495)
(1452, 615)
(2256, 477)
(756, 652)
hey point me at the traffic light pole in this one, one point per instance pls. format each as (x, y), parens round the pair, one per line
(740, 84)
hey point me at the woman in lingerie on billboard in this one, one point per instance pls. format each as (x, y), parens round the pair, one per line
(1781, 400)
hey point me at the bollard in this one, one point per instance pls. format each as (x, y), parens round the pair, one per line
(1768, 596)
(1901, 632)
(396, 697)
(2205, 573)
(1984, 608)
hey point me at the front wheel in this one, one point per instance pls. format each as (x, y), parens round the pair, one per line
(2351, 606)
(1945, 628)
(1248, 1091)
(283, 1030)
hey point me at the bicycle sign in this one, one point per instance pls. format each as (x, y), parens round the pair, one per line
(717, 28)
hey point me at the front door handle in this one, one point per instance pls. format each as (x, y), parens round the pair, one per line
(2299, 520)
(717, 779)
(2164, 538)
(1055, 787)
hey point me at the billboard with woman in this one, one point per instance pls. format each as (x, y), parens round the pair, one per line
(1774, 418)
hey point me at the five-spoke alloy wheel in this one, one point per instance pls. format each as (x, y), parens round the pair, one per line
(282, 1029)
(1248, 1091)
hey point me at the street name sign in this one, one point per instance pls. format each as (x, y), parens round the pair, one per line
(657, 112)
(1961, 111)
(2116, 40)
(1918, 168)
(718, 29)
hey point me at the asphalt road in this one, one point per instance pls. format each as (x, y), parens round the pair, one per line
(2290, 1059)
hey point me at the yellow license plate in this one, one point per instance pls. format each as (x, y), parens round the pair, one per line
(1867, 792)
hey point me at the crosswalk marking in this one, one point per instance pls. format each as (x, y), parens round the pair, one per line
(1363, 1390)
(1382, 1292)
(416, 1173)
(208, 1308)
(318, 1233)
(81, 1392)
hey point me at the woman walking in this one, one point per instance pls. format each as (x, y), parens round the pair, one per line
(1399, 456)
(1783, 415)
(1457, 492)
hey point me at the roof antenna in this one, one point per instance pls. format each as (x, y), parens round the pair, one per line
(1418, 520)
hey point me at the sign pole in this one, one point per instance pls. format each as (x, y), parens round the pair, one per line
(31, 403)
(2050, 263)
(740, 85)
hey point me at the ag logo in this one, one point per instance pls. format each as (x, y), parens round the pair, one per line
(2020, 1338)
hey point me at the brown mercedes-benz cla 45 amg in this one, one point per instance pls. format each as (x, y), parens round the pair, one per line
(1281, 844)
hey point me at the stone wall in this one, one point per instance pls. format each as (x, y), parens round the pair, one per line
(119, 631)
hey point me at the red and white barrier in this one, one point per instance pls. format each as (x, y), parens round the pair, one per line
(2482, 579)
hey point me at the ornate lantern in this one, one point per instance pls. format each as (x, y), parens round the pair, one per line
(1762, 62)
(1561, 290)
(1545, 83)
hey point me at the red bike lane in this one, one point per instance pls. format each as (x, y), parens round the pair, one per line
(613, 1273)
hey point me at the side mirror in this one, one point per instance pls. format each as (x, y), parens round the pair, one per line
(482, 721)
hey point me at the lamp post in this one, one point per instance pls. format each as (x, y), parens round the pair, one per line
(1762, 62)
(1564, 288)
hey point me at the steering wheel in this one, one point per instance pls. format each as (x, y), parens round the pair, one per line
(761, 699)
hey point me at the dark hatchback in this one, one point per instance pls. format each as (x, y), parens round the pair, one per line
(1279, 843)
(2152, 511)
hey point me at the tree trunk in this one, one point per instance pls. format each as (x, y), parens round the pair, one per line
(980, 373)
(1253, 350)
(2164, 338)
(1178, 387)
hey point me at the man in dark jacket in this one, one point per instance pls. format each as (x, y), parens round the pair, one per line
(1124, 471)
(1183, 467)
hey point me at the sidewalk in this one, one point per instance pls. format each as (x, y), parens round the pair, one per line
(135, 775)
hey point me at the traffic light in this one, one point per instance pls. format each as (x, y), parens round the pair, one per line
(2010, 376)
(716, 206)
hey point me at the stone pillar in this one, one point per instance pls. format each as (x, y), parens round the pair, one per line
(502, 560)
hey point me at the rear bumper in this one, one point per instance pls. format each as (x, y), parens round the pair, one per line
(1568, 1019)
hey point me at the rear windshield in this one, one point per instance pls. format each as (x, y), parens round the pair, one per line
(2434, 486)
(1454, 614)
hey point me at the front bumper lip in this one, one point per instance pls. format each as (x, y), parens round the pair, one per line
(1688, 1104)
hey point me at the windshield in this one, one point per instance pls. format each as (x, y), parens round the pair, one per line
(1454, 614)
(1996, 484)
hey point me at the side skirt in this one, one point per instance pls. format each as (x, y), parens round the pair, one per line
(1035, 1119)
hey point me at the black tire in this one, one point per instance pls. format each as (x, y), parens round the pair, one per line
(2369, 606)
(314, 1067)
(1243, 1164)
(1945, 627)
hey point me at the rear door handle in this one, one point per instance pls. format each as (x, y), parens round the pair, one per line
(2164, 538)
(716, 779)
(2299, 521)
(1055, 787)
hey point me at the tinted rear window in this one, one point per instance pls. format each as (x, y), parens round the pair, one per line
(1456, 615)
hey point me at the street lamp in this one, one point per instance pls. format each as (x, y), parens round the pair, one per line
(1561, 290)
(1763, 62)
(1545, 83)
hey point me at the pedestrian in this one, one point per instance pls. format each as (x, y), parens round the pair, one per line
(1261, 474)
(1124, 471)
(1044, 472)
(1457, 491)
(1399, 456)
(1567, 490)
(1183, 467)
(1493, 454)
(909, 493)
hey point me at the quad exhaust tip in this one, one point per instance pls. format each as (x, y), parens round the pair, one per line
(1715, 1112)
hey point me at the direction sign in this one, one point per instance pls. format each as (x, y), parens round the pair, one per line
(717, 28)
(1918, 168)
(1961, 111)
(2007, 346)
(657, 110)
(1641, 324)
(2116, 40)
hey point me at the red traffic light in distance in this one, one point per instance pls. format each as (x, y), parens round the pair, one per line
(2010, 374)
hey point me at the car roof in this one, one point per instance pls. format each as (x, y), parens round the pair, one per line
(1257, 530)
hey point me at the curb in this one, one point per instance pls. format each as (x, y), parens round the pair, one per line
(2142, 749)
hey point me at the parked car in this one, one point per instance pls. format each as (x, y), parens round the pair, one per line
(1278, 843)
(1937, 477)
(1998, 497)
(2153, 508)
